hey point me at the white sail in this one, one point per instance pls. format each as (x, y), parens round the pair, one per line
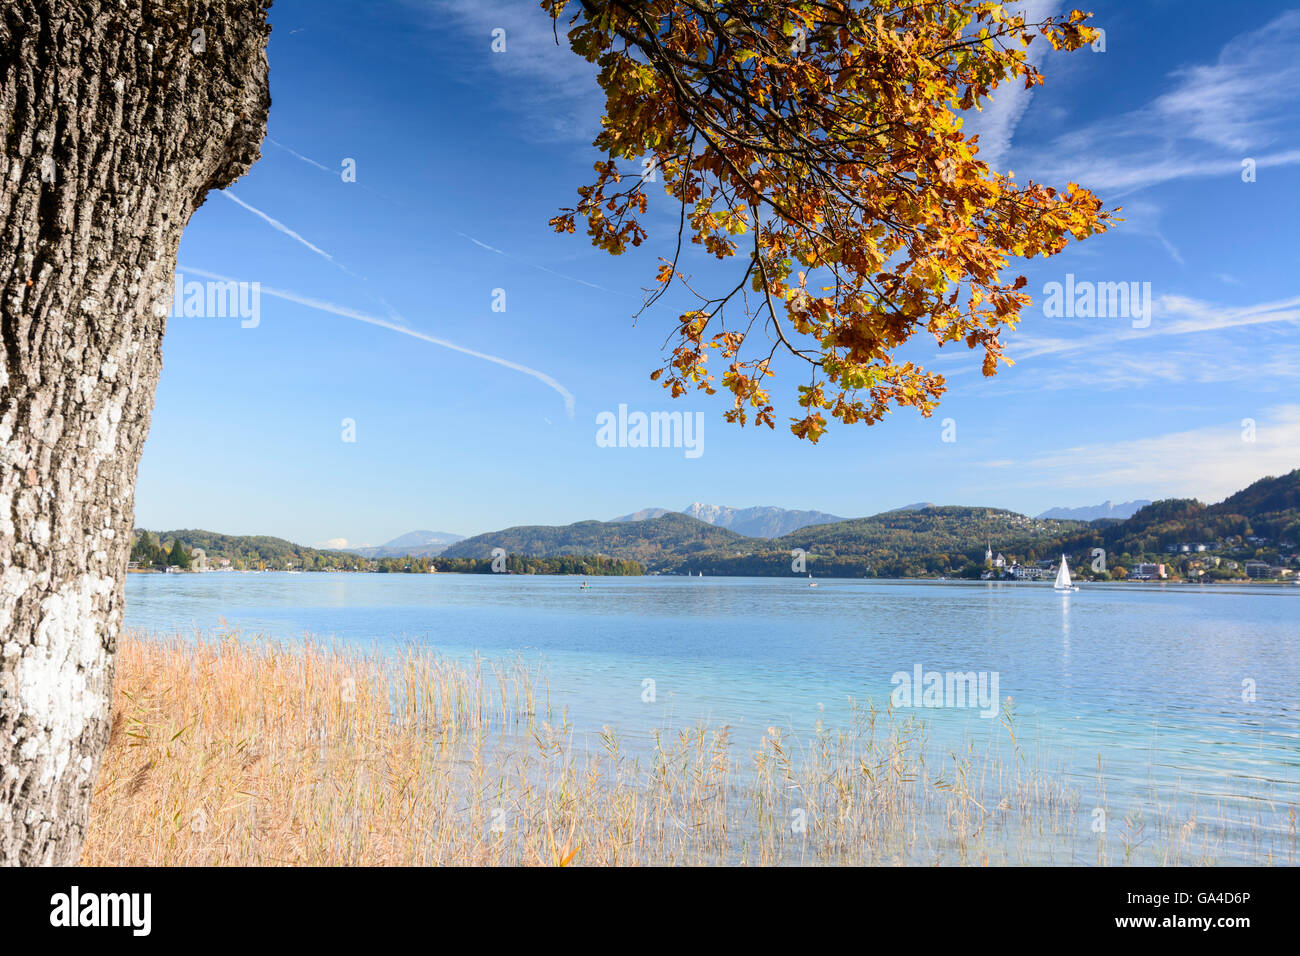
(1063, 575)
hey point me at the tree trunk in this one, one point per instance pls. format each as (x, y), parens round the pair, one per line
(118, 118)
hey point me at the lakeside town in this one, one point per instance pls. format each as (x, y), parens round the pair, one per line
(1194, 562)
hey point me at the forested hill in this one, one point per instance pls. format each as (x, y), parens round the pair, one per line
(1267, 511)
(957, 531)
(902, 543)
(1271, 499)
(1261, 522)
(668, 538)
(244, 551)
(1254, 523)
(677, 542)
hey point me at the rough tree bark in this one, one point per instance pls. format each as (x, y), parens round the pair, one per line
(118, 118)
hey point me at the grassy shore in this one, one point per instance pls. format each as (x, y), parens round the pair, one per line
(241, 752)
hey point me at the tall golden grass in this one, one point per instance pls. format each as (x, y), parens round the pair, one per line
(241, 752)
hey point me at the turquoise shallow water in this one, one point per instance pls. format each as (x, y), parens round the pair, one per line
(1147, 679)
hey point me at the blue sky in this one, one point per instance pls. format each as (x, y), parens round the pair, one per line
(462, 422)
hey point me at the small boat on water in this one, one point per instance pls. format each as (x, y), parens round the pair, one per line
(584, 586)
(1063, 582)
(811, 582)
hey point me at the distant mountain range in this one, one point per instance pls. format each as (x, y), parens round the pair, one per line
(646, 514)
(914, 539)
(415, 544)
(759, 522)
(1107, 509)
(1262, 519)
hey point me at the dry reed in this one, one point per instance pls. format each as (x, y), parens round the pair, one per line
(243, 752)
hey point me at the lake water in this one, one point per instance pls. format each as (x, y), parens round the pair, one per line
(1176, 689)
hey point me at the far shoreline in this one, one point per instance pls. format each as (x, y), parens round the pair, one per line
(1038, 585)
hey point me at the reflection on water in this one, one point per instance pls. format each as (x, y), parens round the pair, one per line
(1065, 638)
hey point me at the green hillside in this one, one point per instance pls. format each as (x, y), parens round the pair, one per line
(896, 542)
(1269, 510)
(244, 551)
(954, 531)
(667, 539)
(1260, 523)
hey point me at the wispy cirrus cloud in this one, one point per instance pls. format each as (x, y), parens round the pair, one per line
(1259, 346)
(1209, 463)
(1171, 315)
(550, 89)
(996, 123)
(1212, 117)
(1277, 370)
(1241, 100)
(1121, 174)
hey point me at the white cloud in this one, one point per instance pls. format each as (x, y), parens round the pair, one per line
(1278, 368)
(1209, 463)
(1213, 116)
(1258, 345)
(1239, 101)
(996, 122)
(1140, 168)
(552, 90)
(1171, 315)
(332, 544)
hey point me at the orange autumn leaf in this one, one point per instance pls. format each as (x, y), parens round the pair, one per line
(819, 145)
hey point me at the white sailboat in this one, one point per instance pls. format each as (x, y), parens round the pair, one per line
(1063, 582)
(811, 582)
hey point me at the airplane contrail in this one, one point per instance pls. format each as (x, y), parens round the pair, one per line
(305, 159)
(278, 225)
(484, 245)
(345, 312)
(534, 265)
